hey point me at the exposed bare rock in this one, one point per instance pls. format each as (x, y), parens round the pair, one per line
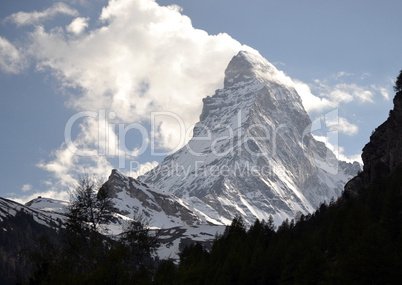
(383, 153)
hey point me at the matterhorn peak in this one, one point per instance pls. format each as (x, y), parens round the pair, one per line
(248, 66)
(252, 153)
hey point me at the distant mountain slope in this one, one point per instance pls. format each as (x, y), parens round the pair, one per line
(20, 227)
(133, 198)
(10, 209)
(48, 205)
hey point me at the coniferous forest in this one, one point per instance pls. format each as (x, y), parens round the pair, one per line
(350, 241)
(354, 240)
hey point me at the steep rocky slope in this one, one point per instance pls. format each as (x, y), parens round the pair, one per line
(383, 154)
(133, 198)
(252, 153)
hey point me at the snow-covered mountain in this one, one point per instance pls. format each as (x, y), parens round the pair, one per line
(252, 153)
(170, 221)
(48, 205)
(133, 198)
(20, 228)
(11, 210)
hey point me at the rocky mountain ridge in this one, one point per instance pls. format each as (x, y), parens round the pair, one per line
(252, 153)
(133, 198)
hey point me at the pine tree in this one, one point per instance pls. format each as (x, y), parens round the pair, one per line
(398, 83)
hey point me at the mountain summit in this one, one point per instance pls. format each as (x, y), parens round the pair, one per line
(252, 153)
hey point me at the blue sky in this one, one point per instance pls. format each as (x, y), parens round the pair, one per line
(127, 58)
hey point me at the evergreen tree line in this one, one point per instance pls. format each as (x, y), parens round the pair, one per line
(350, 241)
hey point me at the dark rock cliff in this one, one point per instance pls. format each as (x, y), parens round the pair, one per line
(383, 154)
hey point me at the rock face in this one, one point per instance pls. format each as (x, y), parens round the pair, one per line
(252, 153)
(133, 198)
(383, 154)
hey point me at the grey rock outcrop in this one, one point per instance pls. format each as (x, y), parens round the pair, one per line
(134, 199)
(383, 154)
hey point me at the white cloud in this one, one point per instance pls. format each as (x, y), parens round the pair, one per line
(383, 91)
(78, 25)
(339, 93)
(340, 96)
(331, 96)
(345, 93)
(343, 74)
(26, 187)
(11, 60)
(70, 161)
(339, 150)
(342, 125)
(143, 58)
(35, 17)
(349, 158)
(350, 92)
(66, 168)
(311, 102)
(82, 2)
(276, 63)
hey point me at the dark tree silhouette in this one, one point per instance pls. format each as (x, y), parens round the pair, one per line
(90, 206)
(87, 255)
(398, 82)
